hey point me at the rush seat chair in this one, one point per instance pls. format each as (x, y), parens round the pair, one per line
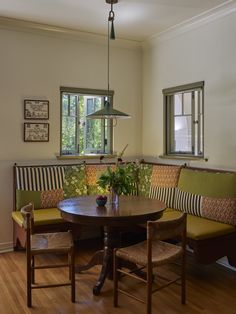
(46, 243)
(150, 254)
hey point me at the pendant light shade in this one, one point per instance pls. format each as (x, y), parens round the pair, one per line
(108, 112)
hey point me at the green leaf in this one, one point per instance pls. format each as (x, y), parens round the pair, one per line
(122, 180)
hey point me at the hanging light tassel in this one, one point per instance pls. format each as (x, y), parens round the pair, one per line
(112, 33)
(111, 19)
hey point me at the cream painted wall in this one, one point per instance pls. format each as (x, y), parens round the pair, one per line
(205, 53)
(34, 66)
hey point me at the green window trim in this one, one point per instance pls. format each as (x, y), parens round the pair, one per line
(184, 121)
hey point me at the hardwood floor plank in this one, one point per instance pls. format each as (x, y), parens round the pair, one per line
(210, 289)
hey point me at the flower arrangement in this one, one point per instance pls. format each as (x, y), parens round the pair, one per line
(120, 181)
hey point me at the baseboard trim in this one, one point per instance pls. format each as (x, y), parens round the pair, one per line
(224, 262)
(6, 247)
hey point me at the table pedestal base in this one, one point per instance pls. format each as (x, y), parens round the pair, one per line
(132, 211)
(103, 257)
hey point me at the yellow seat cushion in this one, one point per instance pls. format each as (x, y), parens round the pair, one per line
(199, 228)
(44, 216)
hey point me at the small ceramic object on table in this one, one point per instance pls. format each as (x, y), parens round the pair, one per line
(101, 200)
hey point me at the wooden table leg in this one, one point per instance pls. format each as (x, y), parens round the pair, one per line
(97, 259)
(104, 257)
(111, 240)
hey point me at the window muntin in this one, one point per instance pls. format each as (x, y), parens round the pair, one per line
(183, 108)
(81, 136)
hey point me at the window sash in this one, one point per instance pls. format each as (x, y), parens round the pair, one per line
(196, 90)
(106, 126)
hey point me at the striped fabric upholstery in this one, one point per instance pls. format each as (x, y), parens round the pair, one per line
(188, 202)
(39, 178)
(165, 195)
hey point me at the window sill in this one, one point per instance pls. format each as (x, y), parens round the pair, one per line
(184, 157)
(89, 156)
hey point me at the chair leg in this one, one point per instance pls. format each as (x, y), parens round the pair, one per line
(29, 280)
(183, 279)
(69, 260)
(32, 269)
(115, 280)
(149, 289)
(72, 274)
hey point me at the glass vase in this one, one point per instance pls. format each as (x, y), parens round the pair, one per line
(114, 198)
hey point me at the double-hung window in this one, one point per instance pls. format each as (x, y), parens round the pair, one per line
(183, 120)
(79, 135)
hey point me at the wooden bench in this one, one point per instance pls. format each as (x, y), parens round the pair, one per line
(45, 186)
(29, 183)
(211, 231)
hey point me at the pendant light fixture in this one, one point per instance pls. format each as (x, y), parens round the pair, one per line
(107, 112)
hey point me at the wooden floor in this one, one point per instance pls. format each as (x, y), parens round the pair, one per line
(210, 290)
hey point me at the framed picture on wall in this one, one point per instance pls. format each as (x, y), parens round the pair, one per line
(36, 109)
(36, 132)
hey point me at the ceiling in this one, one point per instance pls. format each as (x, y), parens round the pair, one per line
(134, 19)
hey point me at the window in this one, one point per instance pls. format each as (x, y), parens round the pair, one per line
(183, 113)
(81, 136)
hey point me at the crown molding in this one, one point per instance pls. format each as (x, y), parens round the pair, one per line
(62, 32)
(206, 17)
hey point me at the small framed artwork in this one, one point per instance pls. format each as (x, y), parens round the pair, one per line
(36, 109)
(36, 132)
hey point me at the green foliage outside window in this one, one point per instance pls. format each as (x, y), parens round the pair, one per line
(78, 134)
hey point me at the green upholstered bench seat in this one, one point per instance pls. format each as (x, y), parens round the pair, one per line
(46, 216)
(208, 197)
(45, 186)
(199, 228)
(211, 231)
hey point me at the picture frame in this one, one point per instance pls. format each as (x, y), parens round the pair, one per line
(36, 109)
(36, 132)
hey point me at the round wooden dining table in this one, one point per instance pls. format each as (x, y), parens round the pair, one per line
(131, 211)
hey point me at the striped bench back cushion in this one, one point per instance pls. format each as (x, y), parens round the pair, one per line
(165, 195)
(218, 209)
(188, 202)
(39, 178)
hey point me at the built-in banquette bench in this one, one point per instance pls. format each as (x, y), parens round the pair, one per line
(208, 196)
(45, 186)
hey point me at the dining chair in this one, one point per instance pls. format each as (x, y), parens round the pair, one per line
(45, 243)
(152, 253)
